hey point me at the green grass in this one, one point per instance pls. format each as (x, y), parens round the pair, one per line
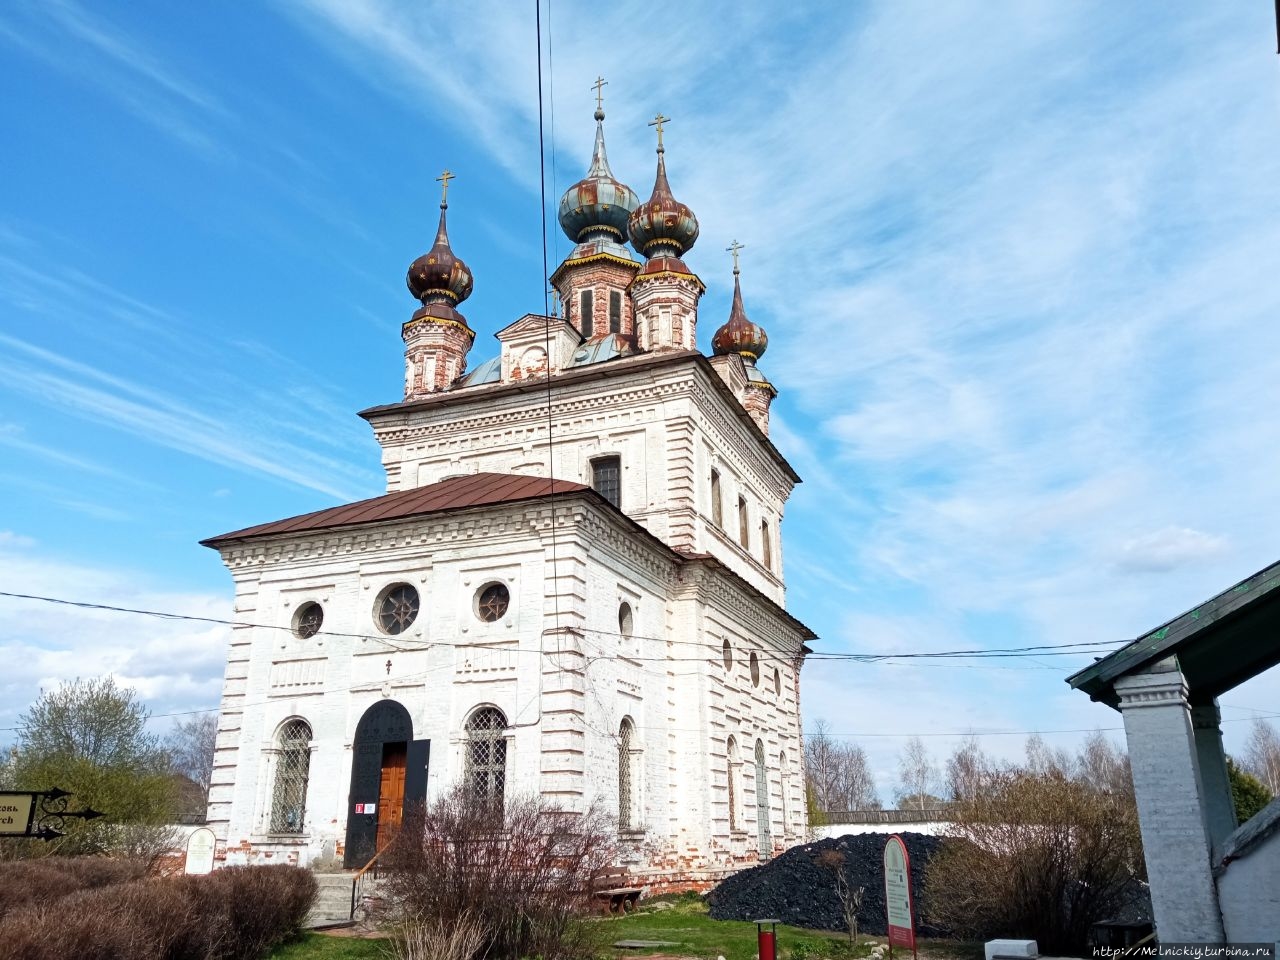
(314, 946)
(688, 925)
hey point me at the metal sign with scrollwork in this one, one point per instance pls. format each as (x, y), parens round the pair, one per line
(42, 814)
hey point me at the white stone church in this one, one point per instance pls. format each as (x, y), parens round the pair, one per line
(573, 585)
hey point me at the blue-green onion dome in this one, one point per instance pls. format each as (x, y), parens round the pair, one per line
(598, 204)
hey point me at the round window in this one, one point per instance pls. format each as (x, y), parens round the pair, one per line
(626, 620)
(308, 620)
(726, 653)
(492, 602)
(777, 681)
(755, 669)
(397, 608)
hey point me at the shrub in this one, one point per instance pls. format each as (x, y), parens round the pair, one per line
(1040, 857)
(41, 881)
(232, 914)
(520, 874)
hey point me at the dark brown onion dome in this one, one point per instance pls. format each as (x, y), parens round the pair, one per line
(439, 276)
(739, 335)
(656, 265)
(662, 225)
(439, 312)
(598, 204)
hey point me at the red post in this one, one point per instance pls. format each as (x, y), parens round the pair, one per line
(767, 940)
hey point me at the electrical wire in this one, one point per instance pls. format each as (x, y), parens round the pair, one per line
(405, 645)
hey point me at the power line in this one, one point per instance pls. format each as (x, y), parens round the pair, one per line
(406, 645)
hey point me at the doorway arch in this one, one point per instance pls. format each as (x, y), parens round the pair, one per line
(388, 774)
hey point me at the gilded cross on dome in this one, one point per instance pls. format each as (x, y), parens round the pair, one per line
(444, 178)
(658, 121)
(599, 86)
(734, 248)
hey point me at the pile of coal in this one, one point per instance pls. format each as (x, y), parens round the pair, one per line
(799, 887)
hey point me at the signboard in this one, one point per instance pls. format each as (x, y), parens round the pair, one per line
(366, 808)
(897, 895)
(200, 851)
(15, 814)
(38, 813)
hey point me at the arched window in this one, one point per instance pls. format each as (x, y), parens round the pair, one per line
(586, 322)
(615, 311)
(762, 803)
(717, 509)
(766, 545)
(782, 788)
(744, 533)
(626, 786)
(293, 767)
(731, 766)
(486, 771)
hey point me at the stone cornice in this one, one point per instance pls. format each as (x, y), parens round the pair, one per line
(396, 422)
(1163, 689)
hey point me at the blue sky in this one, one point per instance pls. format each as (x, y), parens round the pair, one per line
(1016, 259)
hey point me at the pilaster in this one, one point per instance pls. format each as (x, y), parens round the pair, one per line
(1211, 765)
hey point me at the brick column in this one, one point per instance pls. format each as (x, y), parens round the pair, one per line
(1166, 782)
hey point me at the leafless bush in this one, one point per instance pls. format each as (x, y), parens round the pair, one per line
(520, 874)
(1039, 857)
(850, 898)
(438, 940)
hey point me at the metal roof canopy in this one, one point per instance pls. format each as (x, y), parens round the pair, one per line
(1219, 645)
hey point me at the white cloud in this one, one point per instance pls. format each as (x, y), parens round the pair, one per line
(174, 665)
(1169, 548)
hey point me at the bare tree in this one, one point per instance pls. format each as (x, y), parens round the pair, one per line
(839, 774)
(1046, 761)
(917, 775)
(1262, 754)
(191, 744)
(1104, 766)
(968, 769)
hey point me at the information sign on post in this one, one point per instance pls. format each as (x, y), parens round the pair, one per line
(897, 896)
(200, 846)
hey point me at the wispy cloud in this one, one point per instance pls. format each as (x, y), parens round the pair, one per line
(69, 37)
(157, 417)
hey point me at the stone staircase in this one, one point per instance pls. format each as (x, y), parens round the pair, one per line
(333, 903)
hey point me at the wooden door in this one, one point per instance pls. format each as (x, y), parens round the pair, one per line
(391, 791)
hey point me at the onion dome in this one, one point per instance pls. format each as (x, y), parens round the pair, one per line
(439, 277)
(598, 205)
(662, 226)
(739, 335)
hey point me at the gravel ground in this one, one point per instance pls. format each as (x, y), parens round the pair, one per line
(798, 889)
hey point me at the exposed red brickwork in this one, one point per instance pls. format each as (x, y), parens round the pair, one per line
(602, 277)
(435, 356)
(756, 399)
(666, 307)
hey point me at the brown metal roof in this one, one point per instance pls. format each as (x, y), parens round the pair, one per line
(474, 490)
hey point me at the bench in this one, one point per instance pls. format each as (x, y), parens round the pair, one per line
(612, 886)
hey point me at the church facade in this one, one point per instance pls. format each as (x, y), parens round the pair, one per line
(572, 587)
